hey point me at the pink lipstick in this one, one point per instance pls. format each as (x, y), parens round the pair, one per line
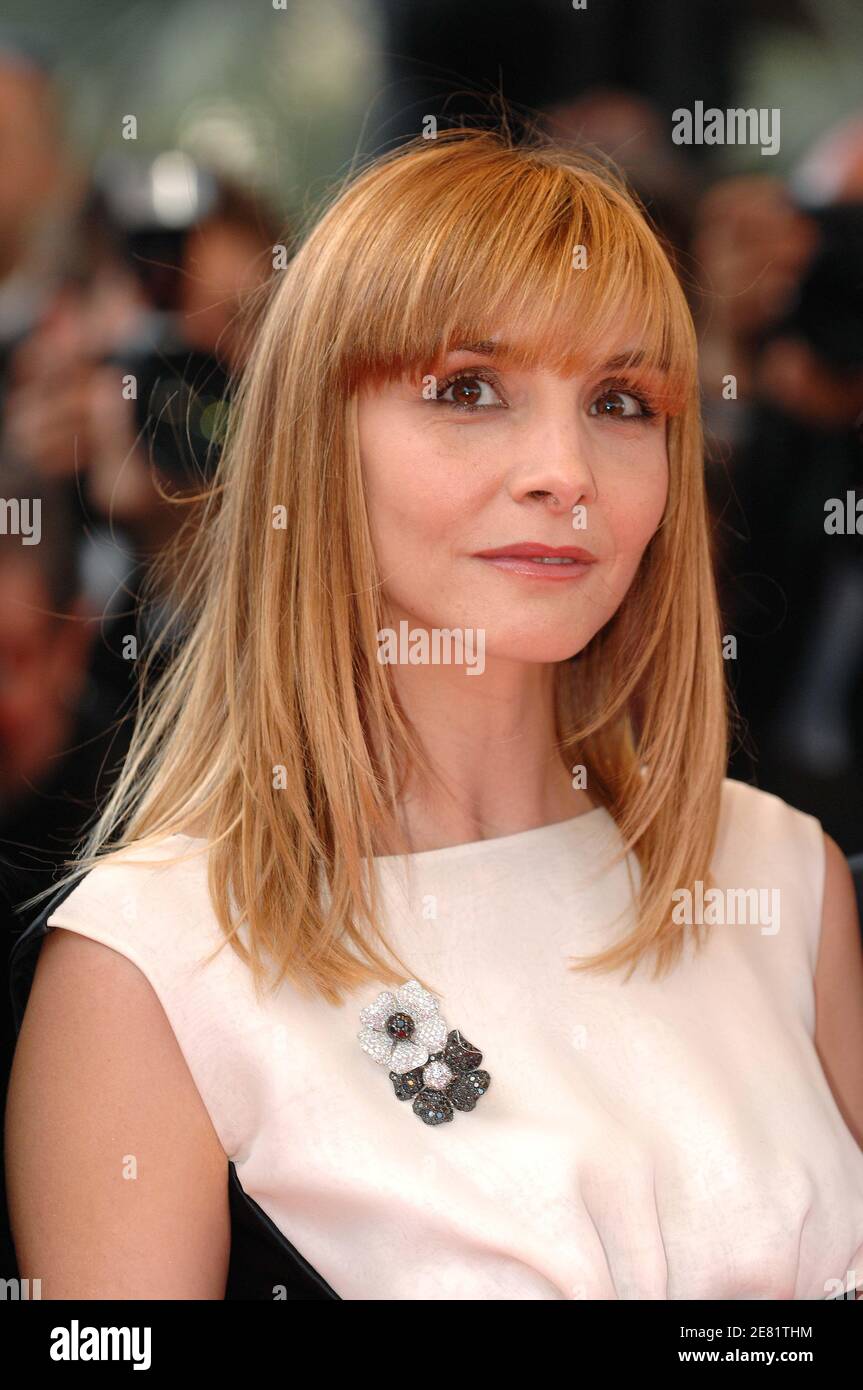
(557, 563)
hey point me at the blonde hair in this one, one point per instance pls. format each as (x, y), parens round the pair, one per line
(436, 242)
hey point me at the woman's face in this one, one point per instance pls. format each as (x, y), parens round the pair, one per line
(478, 456)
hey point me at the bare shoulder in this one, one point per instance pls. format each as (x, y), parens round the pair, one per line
(117, 1182)
(839, 989)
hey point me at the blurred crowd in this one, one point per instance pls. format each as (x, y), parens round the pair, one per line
(127, 304)
(127, 300)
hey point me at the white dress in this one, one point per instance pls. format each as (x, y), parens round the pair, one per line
(641, 1140)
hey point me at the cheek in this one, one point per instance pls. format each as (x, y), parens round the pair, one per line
(634, 507)
(415, 494)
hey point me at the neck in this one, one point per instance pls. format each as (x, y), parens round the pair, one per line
(492, 741)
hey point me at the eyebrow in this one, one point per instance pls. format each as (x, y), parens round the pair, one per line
(489, 349)
(483, 349)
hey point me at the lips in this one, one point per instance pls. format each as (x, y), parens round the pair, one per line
(534, 550)
(535, 560)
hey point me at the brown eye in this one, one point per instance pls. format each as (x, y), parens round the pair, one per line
(615, 404)
(469, 392)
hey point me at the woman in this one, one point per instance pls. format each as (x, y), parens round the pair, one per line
(433, 913)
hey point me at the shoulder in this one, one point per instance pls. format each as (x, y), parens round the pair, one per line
(149, 900)
(151, 904)
(839, 989)
(744, 809)
(760, 826)
(765, 843)
(781, 834)
(122, 1042)
(840, 949)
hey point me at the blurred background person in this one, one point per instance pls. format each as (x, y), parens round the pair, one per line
(39, 190)
(783, 321)
(120, 393)
(60, 735)
(125, 322)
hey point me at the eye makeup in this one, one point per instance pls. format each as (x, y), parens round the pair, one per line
(648, 406)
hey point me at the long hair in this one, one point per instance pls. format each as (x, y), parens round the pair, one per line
(275, 726)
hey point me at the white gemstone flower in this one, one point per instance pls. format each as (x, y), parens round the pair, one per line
(437, 1076)
(402, 1027)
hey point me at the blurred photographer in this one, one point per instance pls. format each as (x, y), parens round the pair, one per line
(130, 368)
(121, 393)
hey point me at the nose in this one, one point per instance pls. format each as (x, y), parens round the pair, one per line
(554, 469)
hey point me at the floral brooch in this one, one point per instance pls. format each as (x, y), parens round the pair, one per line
(403, 1030)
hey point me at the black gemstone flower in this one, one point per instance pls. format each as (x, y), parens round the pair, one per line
(449, 1081)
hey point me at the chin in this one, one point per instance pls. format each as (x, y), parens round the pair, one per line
(535, 648)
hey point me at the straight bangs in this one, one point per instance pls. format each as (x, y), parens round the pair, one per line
(543, 243)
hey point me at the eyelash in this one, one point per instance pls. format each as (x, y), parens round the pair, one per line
(649, 410)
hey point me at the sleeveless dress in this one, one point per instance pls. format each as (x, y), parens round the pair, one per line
(672, 1139)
